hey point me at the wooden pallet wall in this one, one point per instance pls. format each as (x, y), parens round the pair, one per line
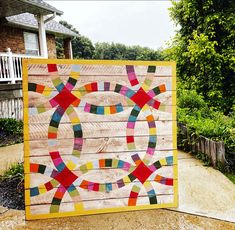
(99, 136)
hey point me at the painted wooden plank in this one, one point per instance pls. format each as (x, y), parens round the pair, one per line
(84, 79)
(92, 160)
(88, 117)
(100, 196)
(101, 176)
(100, 98)
(102, 129)
(96, 205)
(102, 146)
(98, 70)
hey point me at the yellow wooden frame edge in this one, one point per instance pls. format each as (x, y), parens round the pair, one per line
(25, 63)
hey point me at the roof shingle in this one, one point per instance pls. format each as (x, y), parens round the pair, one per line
(28, 20)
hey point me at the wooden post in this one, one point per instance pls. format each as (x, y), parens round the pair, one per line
(193, 143)
(68, 48)
(207, 147)
(220, 152)
(213, 153)
(202, 144)
(11, 66)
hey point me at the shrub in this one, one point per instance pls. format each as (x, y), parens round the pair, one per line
(202, 120)
(16, 170)
(11, 126)
(11, 131)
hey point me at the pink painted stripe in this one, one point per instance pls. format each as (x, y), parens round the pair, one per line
(151, 93)
(57, 161)
(90, 186)
(126, 166)
(87, 108)
(62, 189)
(53, 102)
(78, 141)
(131, 76)
(123, 90)
(150, 151)
(69, 86)
(131, 125)
(152, 168)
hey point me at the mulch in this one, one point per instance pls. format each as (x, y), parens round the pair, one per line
(12, 193)
(6, 139)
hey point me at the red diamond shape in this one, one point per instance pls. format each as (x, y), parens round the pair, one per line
(65, 98)
(141, 97)
(66, 177)
(142, 172)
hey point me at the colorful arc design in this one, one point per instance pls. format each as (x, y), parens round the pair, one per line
(64, 178)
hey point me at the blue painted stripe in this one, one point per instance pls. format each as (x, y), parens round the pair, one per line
(34, 191)
(108, 187)
(77, 127)
(100, 110)
(169, 160)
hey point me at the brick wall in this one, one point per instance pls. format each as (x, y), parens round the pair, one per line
(13, 38)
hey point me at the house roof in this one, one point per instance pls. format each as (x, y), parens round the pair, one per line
(27, 20)
(43, 5)
(14, 7)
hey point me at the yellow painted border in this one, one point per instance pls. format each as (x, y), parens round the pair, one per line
(99, 62)
(25, 64)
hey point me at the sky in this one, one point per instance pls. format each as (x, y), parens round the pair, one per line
(144, 23)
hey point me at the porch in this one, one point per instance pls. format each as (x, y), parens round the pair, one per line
(11, 66)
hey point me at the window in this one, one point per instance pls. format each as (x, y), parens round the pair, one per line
(31, 43)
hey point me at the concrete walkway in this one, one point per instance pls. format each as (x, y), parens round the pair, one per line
(10, 155)
(203, 191)
(158, 219)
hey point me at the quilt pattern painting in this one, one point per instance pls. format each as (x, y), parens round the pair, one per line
(99, 136)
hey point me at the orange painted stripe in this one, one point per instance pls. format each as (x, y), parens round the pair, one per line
(132, 201)
(76, 102)
(84, 184)
(113, 109)
(102, 163)
(162, 88)
(158, 178)
(150, 118)
(88, 87)
(40, 88)
(34, 167)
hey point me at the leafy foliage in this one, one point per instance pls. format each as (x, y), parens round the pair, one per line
(122, 52)
(231, 177)
(204, 49)
(11, 126)
(203, 120)
(16, 170)
(81, 45)
(11, 131)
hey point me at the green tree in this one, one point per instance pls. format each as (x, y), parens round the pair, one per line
(204, 49)
(81, 45)
(114, 51)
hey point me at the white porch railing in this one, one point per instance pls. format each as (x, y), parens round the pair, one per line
(11, 66)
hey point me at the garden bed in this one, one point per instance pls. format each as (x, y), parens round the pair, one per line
(12, 193)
